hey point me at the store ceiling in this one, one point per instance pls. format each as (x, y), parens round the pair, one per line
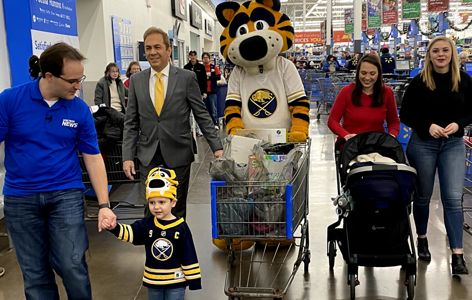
(315, 11)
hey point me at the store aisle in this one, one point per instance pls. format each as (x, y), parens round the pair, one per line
(116, 267)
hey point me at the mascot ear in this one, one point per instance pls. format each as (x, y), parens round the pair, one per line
(225, 12)
(274, 4)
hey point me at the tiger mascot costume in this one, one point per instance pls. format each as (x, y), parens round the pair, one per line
(264, 89)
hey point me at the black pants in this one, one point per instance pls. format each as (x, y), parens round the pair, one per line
(183, 177)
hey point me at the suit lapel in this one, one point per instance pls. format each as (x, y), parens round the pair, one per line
(145, 87)
(171, 82)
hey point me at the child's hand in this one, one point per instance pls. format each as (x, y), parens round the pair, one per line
(106, 219)
(106, 225)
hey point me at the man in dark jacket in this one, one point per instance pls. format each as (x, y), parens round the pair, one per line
(387, 61)
(195, 66)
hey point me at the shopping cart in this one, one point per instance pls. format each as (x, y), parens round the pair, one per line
(467, 193)
(271, 214)
(114, 168)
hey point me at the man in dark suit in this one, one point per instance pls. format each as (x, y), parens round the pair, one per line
(157, 125)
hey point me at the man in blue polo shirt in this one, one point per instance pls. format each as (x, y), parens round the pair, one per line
(43, 125)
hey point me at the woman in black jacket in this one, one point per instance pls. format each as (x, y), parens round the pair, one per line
(437, 105)
(110, 89)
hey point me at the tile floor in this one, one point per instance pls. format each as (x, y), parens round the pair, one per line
(116, 267)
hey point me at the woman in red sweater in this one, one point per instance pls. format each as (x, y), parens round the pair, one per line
(366, 104)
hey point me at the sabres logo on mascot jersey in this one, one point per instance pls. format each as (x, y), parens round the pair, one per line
(264, 89)
(262, 103)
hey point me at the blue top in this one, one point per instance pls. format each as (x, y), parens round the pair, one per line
(41, 142)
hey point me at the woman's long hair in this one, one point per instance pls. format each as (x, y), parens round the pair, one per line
(377, 96)
(427, 73)
(131, 64)
(108, 69)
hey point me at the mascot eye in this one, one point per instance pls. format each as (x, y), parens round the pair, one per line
(261, 25)
(243, 29)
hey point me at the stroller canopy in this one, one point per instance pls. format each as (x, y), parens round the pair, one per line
(366, 143)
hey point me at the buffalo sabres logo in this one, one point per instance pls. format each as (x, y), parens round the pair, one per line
(162, 249)
(262, 103)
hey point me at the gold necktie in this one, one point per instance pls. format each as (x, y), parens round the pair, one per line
(159, 93)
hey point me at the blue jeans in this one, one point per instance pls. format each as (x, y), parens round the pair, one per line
(210, 103)
(447, 156)
(48, 232)
(166, 294)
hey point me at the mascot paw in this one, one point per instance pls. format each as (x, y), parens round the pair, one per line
(238, 245)
(296, 137)
(235, 130)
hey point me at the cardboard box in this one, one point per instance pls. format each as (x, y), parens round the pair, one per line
(271, 135)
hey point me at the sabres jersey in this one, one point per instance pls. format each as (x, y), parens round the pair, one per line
(171, 259)
(265, 97)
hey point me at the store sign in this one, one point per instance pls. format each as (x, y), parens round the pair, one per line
(348, 20)
(195, 16)
(411, 9)
(179, 9)
(123, 45)
(56, 16)
(308, 37)
(341, 37)
(438, 5)
(390, 12)
(41, 40)
(52, 22)
(374, 10)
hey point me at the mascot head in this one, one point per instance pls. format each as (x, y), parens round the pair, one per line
(255, 32)
(161, 183)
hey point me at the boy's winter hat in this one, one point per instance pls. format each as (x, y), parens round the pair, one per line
(161, 182)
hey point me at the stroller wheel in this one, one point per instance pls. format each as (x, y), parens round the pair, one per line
(353, 282)
(410, 284)
(331, 253)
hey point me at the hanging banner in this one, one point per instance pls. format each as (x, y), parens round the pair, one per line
(390, 12)
(53, 22)
(411, 9)
(348, 21)
(438, 5)
(122, 42)
(364, 16)
(374, 12)
(341, 37)
(308, 37)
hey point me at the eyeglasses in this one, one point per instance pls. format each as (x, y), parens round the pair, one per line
(74, 81)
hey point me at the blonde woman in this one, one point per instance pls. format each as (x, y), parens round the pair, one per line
(438, 105)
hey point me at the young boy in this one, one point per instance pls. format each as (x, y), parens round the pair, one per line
(171, 259)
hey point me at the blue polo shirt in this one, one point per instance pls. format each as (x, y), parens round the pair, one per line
(41, 142)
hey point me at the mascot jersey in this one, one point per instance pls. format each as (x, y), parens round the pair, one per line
(265, 97)
(264, 90)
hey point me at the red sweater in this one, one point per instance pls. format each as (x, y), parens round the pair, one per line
(364, 118)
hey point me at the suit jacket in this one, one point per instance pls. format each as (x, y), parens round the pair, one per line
(102, 92)
(144, 130)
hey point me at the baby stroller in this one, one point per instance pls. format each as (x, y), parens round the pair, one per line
(374, 206)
